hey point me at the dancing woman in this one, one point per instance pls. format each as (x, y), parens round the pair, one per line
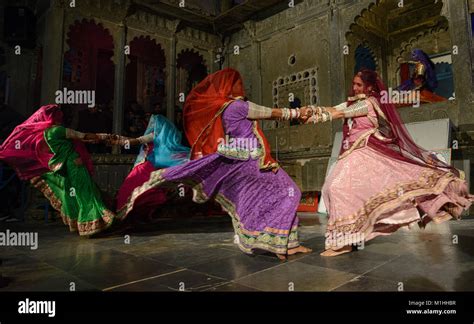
(382, 180)
(160, 148)
(235, 166)
(54, 159)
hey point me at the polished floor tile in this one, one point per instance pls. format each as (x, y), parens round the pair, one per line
(231, 286)
(365, 283)
(185, 280)
(200, 255)
(108, 268)
(296, 276)
(186, 257)
(416, 271)
(236, 266)
(356, 262)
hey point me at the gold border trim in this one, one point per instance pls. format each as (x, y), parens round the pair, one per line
(363, 220)
(261, 160)
(283, 240)
(357, 143)
(376, 106)
(84, 228)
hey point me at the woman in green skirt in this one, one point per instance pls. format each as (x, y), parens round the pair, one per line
(56, 162)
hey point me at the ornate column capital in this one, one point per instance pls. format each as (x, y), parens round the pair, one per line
(172, 25)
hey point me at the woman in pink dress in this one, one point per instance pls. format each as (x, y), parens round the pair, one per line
(160, 148)
(382, 180)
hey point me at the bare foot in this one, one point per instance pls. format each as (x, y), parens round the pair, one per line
(299, 249)
(331, 252)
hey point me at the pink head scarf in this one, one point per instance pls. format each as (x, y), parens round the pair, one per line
(26, 150)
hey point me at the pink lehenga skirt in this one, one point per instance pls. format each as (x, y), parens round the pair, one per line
(369, 194)
(148, 202)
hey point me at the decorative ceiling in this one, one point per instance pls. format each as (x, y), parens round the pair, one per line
(387, 20)
(216, 16)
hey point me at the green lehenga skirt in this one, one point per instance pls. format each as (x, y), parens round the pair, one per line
(70, 188)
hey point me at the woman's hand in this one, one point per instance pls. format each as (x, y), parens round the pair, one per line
(305, 113)
(114, 139)
(122, 140)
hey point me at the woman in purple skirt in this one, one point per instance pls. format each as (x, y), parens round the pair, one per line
(234, 166)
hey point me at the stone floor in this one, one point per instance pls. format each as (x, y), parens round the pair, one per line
(199, 255)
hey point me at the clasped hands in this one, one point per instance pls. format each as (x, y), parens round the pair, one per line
(305, 113)
(317, 114)
(108, 139)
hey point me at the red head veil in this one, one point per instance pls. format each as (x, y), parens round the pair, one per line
(203, 108)
(26, 150)
(399, 144)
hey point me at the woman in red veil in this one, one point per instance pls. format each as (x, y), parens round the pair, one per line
(231, 163)
(383, 180)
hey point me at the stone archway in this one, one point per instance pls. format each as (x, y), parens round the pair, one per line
(191, 69)
(384, 28)
(88, 63)
(145, 78)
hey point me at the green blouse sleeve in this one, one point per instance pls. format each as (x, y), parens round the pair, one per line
(55, 133)
(60, 146)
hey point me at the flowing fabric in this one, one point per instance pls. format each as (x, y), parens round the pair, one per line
(202, 120)
(70, 188)
(165, 151)
(60, 168)
(398, 143)
(383, 181)
(262, 204)
(148, 202)
(26, 151)
(203, 114)
(167, 148)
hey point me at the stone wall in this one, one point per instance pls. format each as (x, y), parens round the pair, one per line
(282, 48)
(315, 32)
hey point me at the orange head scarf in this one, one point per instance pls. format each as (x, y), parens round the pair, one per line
(203, 109)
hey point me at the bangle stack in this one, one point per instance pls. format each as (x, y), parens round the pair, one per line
(320, 114)
(326, 116)
(285, 114)
(288, 114)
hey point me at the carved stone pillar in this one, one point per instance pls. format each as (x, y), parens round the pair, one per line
(256, 62)
(53, 53)
(171, 73)
(457, 13)
(119, 83)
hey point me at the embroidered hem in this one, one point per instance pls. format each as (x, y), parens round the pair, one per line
(84, 228)
(363, 221)
(270, 239)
